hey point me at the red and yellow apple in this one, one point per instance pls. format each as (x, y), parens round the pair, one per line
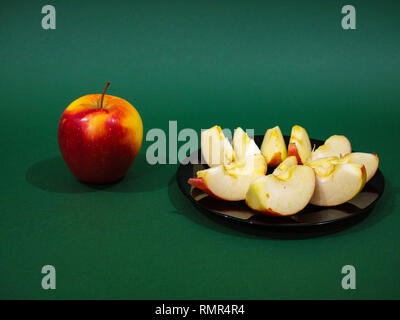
(99, 137)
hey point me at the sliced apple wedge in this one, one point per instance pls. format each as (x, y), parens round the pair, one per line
(243, 145)
(273, 147)
(336, 182)
(334, 146)
(369, 160)
(299, 145)
(215, 147)
(284, 192)
(283, 169)
(230, 182)
(231, 179)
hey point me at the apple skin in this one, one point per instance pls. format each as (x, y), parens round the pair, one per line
(199, 184)
(100, 144)
(267, 211)
(276, 160)
(377, 158)
(292, 151)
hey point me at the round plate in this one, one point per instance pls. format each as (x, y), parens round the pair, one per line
(310, 217)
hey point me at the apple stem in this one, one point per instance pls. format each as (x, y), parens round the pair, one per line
(102, 96)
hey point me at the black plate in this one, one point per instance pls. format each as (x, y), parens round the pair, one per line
(310, 217)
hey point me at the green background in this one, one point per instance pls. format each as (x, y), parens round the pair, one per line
(234, 63)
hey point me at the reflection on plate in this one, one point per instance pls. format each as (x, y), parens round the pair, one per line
(310, 216)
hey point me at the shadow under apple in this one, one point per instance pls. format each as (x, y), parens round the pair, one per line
(53, 175)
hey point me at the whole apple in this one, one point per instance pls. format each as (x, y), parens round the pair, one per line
(99, 137)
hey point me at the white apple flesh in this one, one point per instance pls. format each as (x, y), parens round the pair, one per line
(230, 182)
(334, 146)
(215, 147)
(243, 145)
(273, 147)
(299, 145)
(369, 160)
(336, 182)
(285, 192)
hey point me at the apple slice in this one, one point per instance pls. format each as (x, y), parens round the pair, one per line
(336, 182)
(230, 182)
(334, 146)
(369, 160)
(283, 169)
(273, 147)
(215, 147)
(243, 145)
(200, 184)
(299, 145)
(284, 192)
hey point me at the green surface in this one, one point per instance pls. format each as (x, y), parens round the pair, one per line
(250, 63)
